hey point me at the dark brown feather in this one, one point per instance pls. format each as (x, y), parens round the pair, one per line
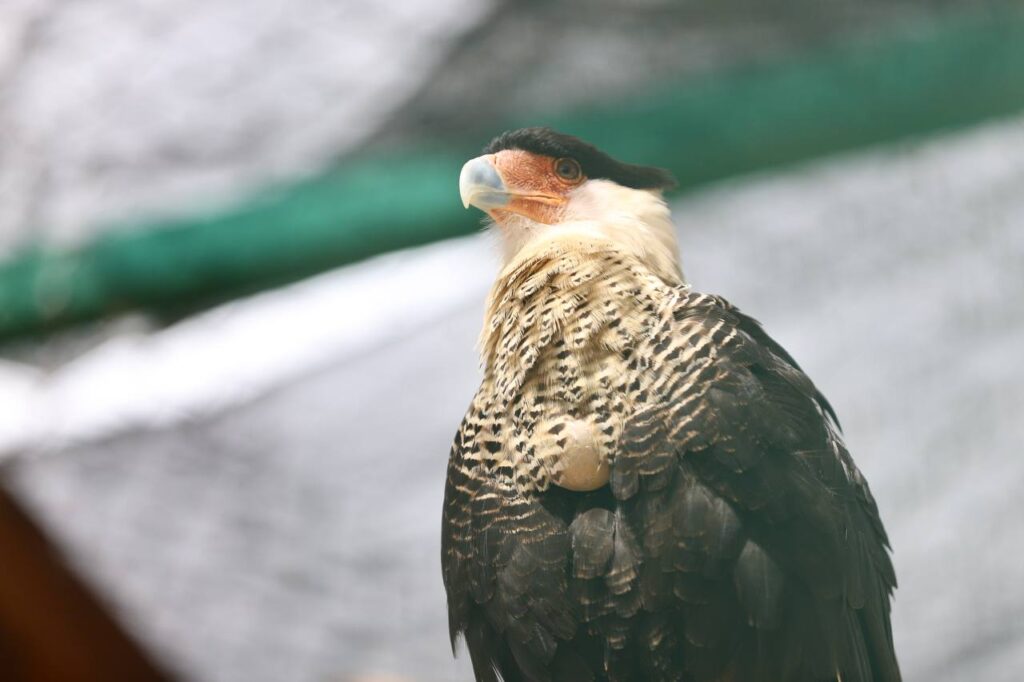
(735, 540)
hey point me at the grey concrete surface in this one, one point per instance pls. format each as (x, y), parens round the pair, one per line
(296, 538)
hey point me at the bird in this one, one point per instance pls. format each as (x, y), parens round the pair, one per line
(646, 485)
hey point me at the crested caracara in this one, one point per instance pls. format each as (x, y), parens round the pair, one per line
(646, 485)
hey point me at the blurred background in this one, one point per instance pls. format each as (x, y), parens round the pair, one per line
(239, 295)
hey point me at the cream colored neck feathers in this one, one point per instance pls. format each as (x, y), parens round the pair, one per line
(633, 221)
(612, 240)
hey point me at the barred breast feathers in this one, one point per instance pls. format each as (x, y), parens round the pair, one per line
(606, 219)
(561, 319)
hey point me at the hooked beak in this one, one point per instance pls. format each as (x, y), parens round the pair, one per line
(481, 185)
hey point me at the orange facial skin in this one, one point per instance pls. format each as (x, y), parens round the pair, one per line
(538, 191)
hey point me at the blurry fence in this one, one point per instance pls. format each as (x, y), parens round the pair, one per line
(956, 72)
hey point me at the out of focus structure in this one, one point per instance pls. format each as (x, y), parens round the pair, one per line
(193, 413)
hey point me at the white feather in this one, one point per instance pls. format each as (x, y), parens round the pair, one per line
(635, 221)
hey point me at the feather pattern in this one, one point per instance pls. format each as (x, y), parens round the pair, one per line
(735, 539)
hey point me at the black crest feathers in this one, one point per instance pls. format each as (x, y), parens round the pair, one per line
(594, 162)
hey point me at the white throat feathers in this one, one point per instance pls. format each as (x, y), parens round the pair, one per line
(635, 222)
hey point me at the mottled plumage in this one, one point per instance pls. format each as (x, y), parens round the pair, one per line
(734, 539)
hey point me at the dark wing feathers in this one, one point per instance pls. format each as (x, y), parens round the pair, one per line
(593, 543)
(759, 583)
(801, 500)
(736, 539)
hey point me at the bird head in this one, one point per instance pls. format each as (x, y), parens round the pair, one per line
(539, 185)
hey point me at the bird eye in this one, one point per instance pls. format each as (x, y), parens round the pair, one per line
(568, 169)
